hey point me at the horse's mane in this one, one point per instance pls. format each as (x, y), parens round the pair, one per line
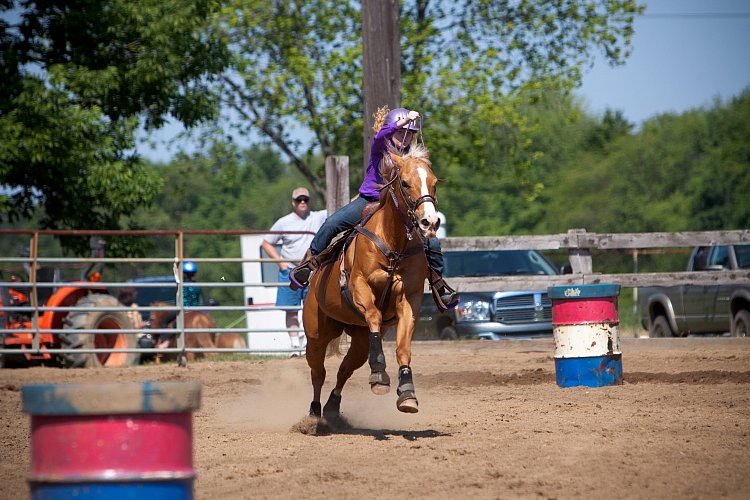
(420, 152)
(417, 151)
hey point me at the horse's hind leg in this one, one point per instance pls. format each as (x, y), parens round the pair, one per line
(318, 337)
(354, 359)
(315, 355)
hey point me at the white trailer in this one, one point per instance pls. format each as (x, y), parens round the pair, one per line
(271, 323)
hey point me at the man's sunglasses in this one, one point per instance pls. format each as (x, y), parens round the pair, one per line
(300, 199)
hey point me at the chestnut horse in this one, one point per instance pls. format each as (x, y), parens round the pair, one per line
(193, 320)
(386, 267)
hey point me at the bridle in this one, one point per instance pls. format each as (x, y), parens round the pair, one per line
(410, 218)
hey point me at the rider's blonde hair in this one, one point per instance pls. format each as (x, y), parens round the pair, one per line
(379, 116)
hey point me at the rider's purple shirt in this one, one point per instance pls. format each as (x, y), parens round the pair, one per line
(379, 144)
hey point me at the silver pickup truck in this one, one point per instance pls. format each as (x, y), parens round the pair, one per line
(682, 310)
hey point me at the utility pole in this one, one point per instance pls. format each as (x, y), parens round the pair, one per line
(381, 52)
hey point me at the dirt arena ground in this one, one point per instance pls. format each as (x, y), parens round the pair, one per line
(492, 424)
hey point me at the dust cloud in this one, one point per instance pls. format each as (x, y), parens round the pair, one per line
(280, 403)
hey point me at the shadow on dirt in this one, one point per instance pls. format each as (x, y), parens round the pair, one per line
(340, 425)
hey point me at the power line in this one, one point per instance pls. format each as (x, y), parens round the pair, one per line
(696, 15)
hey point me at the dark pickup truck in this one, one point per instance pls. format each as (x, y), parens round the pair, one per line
(497, 315)
(682, 310)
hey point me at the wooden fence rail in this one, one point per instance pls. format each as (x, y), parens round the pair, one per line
(580, 243)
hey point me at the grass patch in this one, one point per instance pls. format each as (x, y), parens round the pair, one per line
(237, 357)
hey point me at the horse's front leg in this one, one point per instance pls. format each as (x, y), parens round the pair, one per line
(407, 309)
(380, 382)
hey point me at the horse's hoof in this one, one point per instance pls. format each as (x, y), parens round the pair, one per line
(332, 409)
(315, 409)
(407, 403)
(380, 383)
(380, 389)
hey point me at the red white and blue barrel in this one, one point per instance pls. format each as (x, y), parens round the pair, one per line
(111, 440)
(587, 342)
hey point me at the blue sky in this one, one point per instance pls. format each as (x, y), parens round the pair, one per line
(685, 54)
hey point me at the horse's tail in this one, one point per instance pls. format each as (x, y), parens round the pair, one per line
(338, 346)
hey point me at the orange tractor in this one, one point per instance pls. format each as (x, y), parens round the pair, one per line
(17, 325)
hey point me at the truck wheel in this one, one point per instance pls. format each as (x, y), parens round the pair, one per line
(101, 320)
(448, 333)
(741, 324)
(660, 328)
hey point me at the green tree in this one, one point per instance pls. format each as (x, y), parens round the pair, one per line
(468, 65)
(678, 173)
(718, 189)
(76, 79)
(223, 188)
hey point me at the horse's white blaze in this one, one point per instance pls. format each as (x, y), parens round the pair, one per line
(430, 211)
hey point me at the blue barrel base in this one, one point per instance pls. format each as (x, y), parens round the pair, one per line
(114, 490)
(595, 371)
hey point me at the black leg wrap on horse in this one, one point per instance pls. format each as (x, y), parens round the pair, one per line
(376, 357)
(332, 409)
(315, 409)
(379, 379)
(405, 380)
(406, 391)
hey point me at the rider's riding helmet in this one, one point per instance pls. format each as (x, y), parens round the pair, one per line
(190, 267)
(395, 115)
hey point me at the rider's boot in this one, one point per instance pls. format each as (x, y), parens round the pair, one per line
(449, 297)
(300, 275)
(445, 297)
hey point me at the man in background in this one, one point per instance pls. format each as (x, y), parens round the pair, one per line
(293, 248)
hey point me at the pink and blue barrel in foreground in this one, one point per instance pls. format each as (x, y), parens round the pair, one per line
(585, 327)
(111, 440)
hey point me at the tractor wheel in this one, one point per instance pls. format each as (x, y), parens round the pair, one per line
(101, 320)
